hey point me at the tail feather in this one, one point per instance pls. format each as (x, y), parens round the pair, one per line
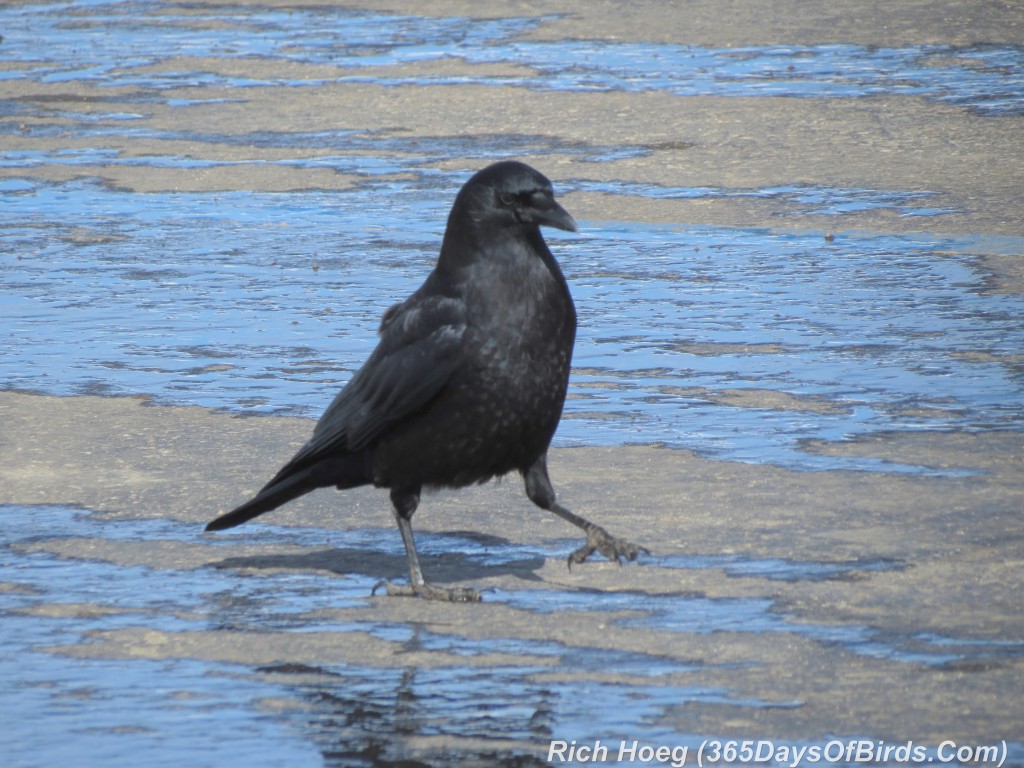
(346, 470)
(272, 496)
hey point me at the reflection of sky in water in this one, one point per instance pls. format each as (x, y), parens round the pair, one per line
(123, 708)
(288, 712)
(990, 79)
(267, 303)
(79, 45)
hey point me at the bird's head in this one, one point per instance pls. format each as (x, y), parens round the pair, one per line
(510, 194)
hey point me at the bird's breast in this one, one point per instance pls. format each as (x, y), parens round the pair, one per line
(501, 405)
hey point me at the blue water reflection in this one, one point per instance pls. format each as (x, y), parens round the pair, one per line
(64, 614)
(79, 46)
(266, 303)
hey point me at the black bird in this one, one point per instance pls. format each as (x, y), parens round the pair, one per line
(469, 377)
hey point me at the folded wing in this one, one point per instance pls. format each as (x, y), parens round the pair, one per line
(420, 343)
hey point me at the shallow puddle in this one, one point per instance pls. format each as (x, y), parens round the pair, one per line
(282, 712)
(297, 713)
(989, 79)
(737, 343)
(80, 46)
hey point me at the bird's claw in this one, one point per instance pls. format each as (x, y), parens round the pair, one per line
(615, 549)
(429, 592)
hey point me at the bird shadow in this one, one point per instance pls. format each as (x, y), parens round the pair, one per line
(439, 567)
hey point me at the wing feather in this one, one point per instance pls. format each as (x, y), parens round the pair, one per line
(419, 348)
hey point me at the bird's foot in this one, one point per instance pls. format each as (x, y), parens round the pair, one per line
(430, 592)
(599, 540)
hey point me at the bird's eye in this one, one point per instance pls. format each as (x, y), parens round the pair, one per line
(507, 198)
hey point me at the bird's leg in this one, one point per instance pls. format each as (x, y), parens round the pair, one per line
(405, 502)
(540, 492)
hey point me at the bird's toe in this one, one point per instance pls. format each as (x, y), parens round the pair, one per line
(430, 592)
(612, 547)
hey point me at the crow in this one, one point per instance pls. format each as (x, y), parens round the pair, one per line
(467, 381)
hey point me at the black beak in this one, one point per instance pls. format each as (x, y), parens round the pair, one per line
(556, 216)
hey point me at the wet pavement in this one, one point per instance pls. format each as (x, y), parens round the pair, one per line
(798, 277)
